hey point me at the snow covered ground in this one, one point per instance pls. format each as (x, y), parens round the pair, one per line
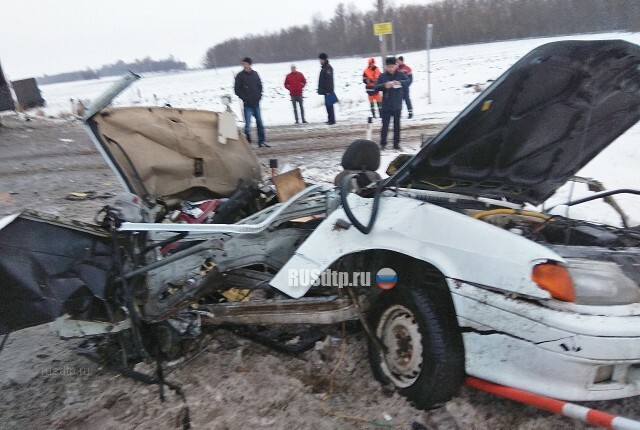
(220, 378)
(451, 70)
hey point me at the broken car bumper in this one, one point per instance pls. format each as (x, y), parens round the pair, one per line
(556, 353)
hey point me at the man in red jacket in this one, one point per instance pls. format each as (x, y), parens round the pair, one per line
(295, 82)
(407, 71)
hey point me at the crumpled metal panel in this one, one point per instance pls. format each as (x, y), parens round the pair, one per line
(49, 267)
(28, 93)
(6, 100)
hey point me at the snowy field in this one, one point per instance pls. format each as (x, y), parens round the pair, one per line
(451, 70)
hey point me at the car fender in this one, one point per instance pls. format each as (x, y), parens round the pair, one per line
(460, 246)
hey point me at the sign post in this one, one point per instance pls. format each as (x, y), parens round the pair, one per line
(381, 30)
(429, 35)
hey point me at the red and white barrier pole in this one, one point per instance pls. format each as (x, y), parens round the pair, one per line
(590, 416)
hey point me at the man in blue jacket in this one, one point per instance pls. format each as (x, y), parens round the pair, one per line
(391, 83)
(248, 87)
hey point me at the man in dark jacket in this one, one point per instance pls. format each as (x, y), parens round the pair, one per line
(248, 87)
(407, 71)
(325, 87)
(391, 83)
(295, 82)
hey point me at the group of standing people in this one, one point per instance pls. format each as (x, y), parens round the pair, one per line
(386, 92)
(248, 87)
(295, 82)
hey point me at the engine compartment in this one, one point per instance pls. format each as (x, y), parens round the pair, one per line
(559, 230)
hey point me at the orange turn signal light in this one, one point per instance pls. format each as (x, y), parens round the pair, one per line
(555, 279)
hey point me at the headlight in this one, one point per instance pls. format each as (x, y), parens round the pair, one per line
(601, 283)
(554, 278)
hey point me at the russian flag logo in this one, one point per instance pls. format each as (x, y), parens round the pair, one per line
(386, 278)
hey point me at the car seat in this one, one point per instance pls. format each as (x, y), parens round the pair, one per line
(361, 156)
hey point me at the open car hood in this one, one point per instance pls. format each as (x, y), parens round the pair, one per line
(536, 125)
(167, 152)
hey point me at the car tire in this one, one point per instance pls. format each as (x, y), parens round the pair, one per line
(425, 353)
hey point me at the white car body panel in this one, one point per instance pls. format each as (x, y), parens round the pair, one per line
(459, 246)
(526, 345)
(508, 338)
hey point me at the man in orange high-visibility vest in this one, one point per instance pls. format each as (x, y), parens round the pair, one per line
(369, 77)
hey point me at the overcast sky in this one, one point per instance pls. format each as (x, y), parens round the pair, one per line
(40, 37)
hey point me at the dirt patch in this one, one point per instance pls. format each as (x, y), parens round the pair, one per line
(234, 383)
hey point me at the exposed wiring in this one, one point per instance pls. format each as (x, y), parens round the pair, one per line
(131, 165)
(440, 187)
(128, 298)
(164, 242)
(566, 215)
(606, 196)
(483, 214)
(4, 340)
(332, 378)
(184, 417)
(365, 324)
(344, 192)
(343, 349)
(571, 188)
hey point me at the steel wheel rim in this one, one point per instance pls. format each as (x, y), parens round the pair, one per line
(399, 333)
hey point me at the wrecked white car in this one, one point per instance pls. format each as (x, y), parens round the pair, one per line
(471, 281)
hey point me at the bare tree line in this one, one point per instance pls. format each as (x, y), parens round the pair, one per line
(350, 32)
(145, 65)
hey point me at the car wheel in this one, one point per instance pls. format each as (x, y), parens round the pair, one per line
(424, 357)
